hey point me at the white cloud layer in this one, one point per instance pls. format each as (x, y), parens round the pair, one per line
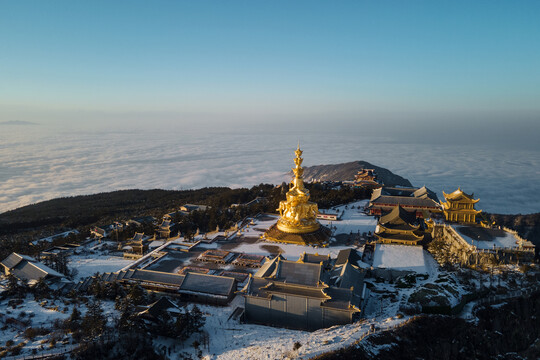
(41, 162)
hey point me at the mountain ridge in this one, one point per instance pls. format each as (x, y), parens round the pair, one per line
(346, 172)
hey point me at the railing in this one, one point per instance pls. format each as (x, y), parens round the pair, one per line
(452, 233)
(514, 232)
(504, 249)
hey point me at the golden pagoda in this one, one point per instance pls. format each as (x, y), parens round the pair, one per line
(298, 216)
(459, 207)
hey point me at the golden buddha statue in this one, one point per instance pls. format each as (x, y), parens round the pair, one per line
(297, 214)
(298, 223)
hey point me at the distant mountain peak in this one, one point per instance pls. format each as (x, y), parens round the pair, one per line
(346, 172)
(17, 122)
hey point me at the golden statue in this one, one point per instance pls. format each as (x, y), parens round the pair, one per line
(297, 214)
(298, 223)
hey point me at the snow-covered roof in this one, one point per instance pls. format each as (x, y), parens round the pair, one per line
(14, 258)
(26, 268)
(401, 257)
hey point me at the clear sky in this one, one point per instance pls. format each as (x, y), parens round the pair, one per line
(259, 60)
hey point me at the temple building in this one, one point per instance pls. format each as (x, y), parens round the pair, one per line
(298, 216)
(422, 201)
(459, 207)
(399, 226)
(366, 179)
(164, 230)
(312, 293)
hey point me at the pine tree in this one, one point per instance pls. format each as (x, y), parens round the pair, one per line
(94, 322)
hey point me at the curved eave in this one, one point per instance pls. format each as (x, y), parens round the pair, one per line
(409, 228)
(413, 237)
(459, 194)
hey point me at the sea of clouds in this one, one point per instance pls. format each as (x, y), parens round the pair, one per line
(40, 162)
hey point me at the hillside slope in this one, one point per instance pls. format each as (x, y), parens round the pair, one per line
(346, 171)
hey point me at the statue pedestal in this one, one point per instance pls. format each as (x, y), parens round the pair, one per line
(319, 237)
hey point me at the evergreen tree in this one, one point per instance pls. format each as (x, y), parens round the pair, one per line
(94, 322)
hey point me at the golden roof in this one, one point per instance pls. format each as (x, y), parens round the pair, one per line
(460, 195)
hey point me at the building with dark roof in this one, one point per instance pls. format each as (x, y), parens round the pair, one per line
(399, 226)
(210, 289)
(28, 269)
(164, 230)
(103, 231)
(193, 207)
(137, 246)
(141, 220)
(308, 294)
(159, 310)
(421, 201)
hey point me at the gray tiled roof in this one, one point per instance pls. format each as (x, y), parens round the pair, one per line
(398, 215)
(208, 284)
(314, 258)
(163, 305)
(348, 276)
(268, 267)
(299, 273)
(424, 192)
(255, 287)
(404, 201)
(157, 277)
(26, 270)
(397, 236)
(13, 259)
(341, 299)
(350, 255)
(282, 288)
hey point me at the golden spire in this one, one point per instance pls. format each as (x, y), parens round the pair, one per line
(298, 214)
(298, 181)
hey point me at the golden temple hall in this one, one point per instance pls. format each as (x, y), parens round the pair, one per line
(459, 207)
(298, 216)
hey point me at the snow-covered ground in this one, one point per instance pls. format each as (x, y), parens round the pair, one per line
(88, 265)
(353, 220)
(35, 314)
(506, 241)
(230, 340)
(404, 257)
(290, 251)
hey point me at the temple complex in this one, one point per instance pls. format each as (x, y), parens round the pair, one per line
(366, 179)
(298, 216)
(399, 227)
(459, 207)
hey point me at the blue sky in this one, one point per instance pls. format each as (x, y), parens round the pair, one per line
(262, 59)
